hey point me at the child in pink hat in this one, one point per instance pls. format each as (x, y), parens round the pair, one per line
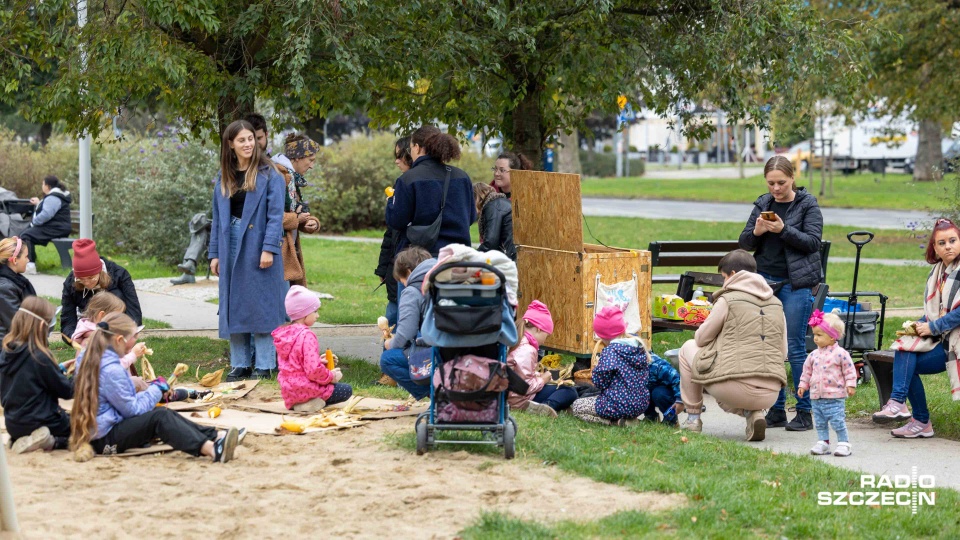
(541, 398)
(621, 374)
(306, 384)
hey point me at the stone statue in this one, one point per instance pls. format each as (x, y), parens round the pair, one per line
(199, 238)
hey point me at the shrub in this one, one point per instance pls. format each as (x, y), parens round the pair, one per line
(605, 165)
(22, 168)
(145, 192)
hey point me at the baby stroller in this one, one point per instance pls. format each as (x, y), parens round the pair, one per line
(468, 323)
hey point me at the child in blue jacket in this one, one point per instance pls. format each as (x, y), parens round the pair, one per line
(664, 385)
(621, 375)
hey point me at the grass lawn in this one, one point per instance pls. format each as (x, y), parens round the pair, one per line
(895, 191)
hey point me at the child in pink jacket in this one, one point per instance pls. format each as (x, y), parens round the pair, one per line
(305, 382)
(541, 398)
(830, 376)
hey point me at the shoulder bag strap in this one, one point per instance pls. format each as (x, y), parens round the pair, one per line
(446, 186)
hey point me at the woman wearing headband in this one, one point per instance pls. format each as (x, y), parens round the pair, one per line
(298, 157)
(13, 286)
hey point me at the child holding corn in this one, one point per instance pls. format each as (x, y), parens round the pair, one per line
(101, 304)
(541, 398)
(306, 382)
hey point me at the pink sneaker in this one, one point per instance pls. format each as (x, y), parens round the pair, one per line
(913, 430)
(892, 412)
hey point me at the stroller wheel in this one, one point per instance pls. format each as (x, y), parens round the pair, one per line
(509, 434)
(421, 438)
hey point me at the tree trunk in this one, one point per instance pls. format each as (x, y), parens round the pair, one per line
(528, 127)
(314, 128)
(233, 106)
(929, 164)
(46, 129)
(568, 155)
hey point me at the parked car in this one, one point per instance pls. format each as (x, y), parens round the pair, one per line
(950, 159)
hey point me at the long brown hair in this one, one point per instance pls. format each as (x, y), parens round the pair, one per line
(106, 302)
(779, 163)
(26, 329)
(86, 383)
(229, 162)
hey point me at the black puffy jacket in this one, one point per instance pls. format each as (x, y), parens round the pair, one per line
(74, 302)
(13, 289)
(802, 231)
(59, 224)
(496, 227)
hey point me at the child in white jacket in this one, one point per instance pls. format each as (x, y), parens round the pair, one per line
(541, 398)
(829, 376)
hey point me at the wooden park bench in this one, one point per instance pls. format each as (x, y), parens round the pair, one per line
(880, 363)
(64, 245)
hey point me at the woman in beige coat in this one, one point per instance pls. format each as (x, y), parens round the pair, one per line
(299, 156)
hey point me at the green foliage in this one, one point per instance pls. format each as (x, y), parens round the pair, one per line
(604, 165)
(144, 194)
(22, 167)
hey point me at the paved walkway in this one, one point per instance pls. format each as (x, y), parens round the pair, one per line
(738, 212)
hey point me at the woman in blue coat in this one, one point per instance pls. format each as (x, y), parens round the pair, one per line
(245, 240)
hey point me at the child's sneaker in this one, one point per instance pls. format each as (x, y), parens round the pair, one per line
(40, 439)
(892, 412)
(843, 450)
(628, 422)
(241, 435)
(696, 426)
(756, 426)
(311, 406)
(224, 447)
(822, 448)
(914, 429)
(650, 417)
(540, 409)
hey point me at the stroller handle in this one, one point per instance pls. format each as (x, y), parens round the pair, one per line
(868, 234)
(446, 266)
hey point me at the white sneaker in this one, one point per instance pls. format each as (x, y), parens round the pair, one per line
(40, 439)
(843, 450)
(821, 448)
(541, 409)
(31, 269)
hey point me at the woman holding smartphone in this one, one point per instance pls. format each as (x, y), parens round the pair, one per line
(784, 232)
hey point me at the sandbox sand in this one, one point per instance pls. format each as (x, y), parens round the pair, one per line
(346, 484)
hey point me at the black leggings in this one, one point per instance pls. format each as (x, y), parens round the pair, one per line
(42, 236)
(161, 423)
(59, 428)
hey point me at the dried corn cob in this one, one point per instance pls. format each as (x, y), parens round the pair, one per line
(210, 379)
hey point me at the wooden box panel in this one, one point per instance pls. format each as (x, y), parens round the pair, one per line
(546, 210)
(554, 278)
(614, 267)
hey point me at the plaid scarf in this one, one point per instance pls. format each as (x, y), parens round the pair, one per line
(940, 297)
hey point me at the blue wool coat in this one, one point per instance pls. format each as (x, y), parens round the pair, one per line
(621, 375)
(251, 299)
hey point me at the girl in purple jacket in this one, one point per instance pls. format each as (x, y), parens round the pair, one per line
(110, 416)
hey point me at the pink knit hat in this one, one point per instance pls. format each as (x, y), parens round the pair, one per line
(608, 323)
(300, 302)
(538, 315)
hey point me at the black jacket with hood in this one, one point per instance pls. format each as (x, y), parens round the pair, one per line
(13, 289)
(29, 389)
(496, 227)
(74, 302)
(801, 235)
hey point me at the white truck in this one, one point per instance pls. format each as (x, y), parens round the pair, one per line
(870, 143)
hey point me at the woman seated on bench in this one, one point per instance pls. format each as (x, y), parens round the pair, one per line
(51, 219)
(940, 321)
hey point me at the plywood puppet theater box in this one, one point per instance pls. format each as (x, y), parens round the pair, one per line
(557, 268)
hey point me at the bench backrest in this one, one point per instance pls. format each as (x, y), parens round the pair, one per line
(75, 222)
(708, 253)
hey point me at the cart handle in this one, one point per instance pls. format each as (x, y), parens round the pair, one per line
(466, 264)
(868, 234)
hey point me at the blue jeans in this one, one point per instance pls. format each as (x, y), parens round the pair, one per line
(797, 305)
(394, 364)
(829, 413)
(243, 345)
(392, 312)
(661, 397)
(907, 368)
(558, 398)
(242, 354)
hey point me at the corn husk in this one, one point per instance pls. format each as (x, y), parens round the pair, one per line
(551, 361)
(210, 379)
(146, 370)
(177, 371)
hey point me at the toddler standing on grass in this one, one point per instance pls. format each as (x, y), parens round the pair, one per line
(620, 375)
(305, 382)
(830, 376)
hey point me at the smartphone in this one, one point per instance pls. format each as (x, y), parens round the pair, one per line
(769, 216)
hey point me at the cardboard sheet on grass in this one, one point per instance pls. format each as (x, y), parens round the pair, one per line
(369, 408)
(223, 392)
(255, 422)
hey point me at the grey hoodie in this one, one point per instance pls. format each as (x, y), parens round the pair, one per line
(411, 306)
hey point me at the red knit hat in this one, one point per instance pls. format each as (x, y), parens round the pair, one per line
(86, 260)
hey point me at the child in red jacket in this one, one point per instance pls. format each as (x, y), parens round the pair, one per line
(305, 382)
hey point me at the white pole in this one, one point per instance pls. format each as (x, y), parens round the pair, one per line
(86, 198)
(617, 137)
(8, 511)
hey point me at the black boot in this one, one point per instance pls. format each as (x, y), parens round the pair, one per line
(776, 418)
(803, 421)
(239, 374)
